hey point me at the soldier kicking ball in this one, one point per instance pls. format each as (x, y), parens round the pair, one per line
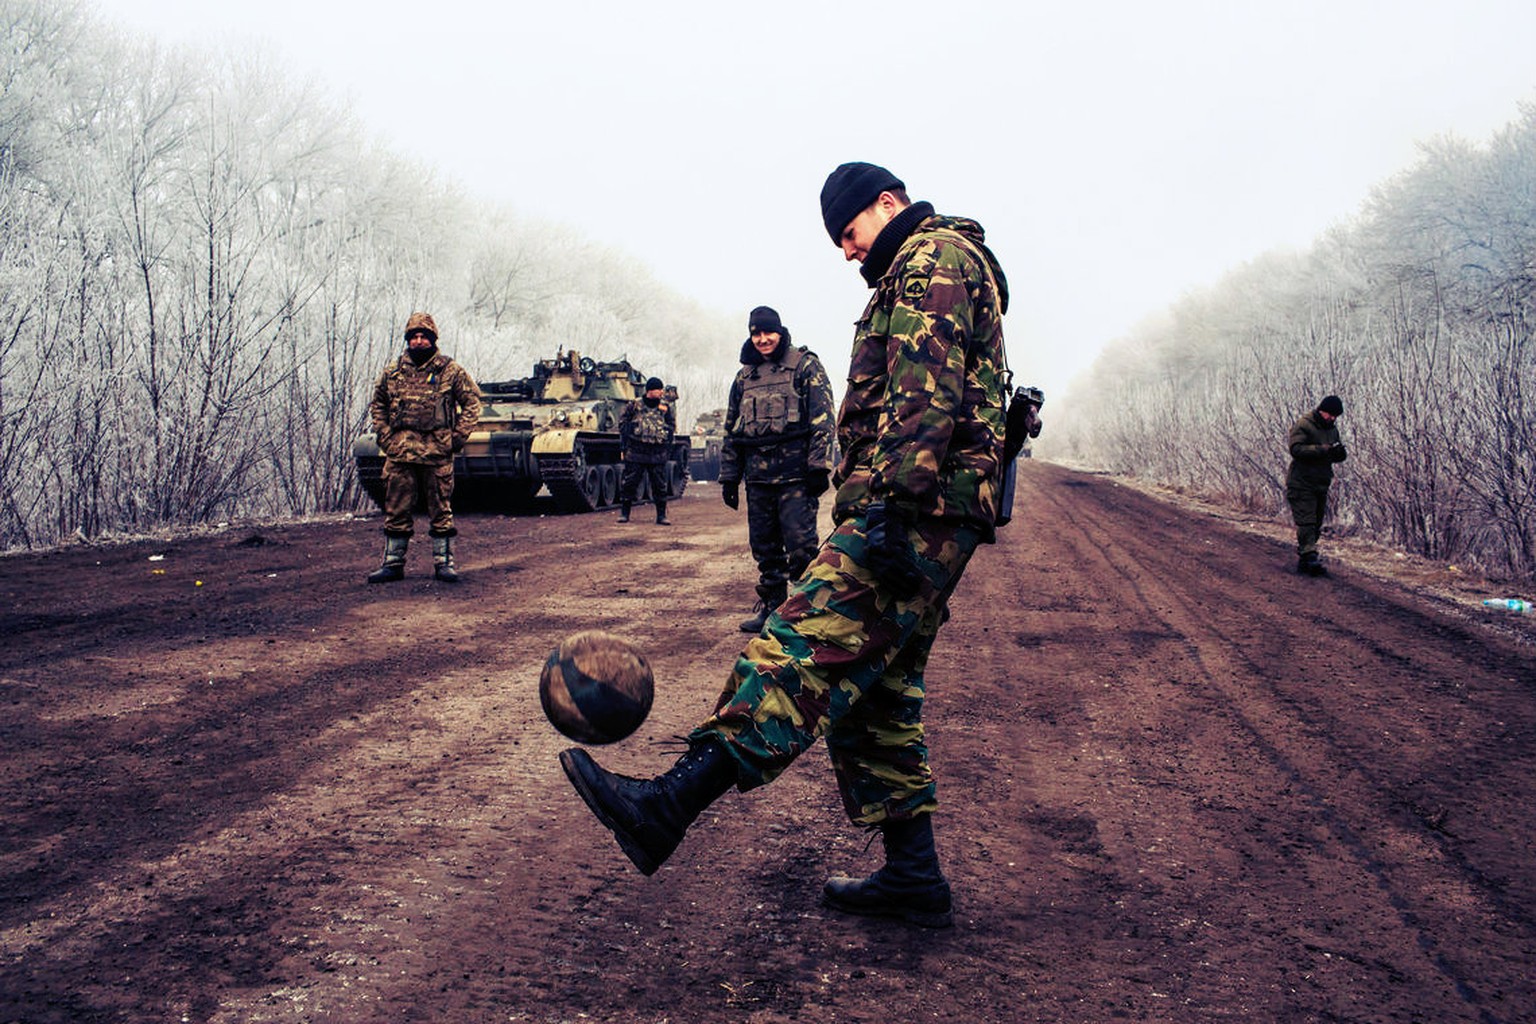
(921, 433)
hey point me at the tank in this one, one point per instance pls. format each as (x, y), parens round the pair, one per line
(556, 430)
(704, 445)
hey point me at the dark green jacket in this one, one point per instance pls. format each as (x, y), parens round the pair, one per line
(1309, 443)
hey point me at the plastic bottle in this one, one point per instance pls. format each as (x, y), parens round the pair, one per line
(1509, 604)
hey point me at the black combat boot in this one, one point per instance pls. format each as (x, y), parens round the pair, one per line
(661, 514)
(768, 598)
(910, 886)
(759, 617)
(649, 816)
(623, 511)
(1311, 564)
(393, 568)
(442, 560)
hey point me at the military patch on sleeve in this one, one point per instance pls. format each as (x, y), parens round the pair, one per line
(915, 289)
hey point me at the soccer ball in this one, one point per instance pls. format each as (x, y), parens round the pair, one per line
(596, 688)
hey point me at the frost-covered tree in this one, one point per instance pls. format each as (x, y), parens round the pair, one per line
(205, 266)
(1419, 312)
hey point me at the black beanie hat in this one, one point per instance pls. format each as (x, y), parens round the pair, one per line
(848, 190)
(765, 319)
(1333, 405)
(654, 384)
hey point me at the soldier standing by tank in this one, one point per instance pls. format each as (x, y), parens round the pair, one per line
(778, 441)
(424, 406)
(646, 429)
(1315, 446)
(920, 436)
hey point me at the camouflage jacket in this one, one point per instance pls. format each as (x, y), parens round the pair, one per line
(1309, 442)
(778, 419)
(419, 412)
(921, 425)
(646, 431)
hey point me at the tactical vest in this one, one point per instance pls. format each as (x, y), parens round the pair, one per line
(651, 424)
(770, 405)
(419, 398)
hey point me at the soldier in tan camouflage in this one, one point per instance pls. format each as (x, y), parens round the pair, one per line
(424, 407)
(920, 434)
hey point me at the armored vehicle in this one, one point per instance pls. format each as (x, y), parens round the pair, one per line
(704, 445)
(557, 429)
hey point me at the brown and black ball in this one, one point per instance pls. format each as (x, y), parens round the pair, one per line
(596, 687)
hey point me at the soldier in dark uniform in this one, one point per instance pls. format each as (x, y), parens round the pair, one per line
(920, 438)
(1314, 446)
(646, 429)
(424, 407)
(778, 441)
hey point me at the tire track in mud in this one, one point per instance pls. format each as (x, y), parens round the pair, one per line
(378, 833)
(1231, 645)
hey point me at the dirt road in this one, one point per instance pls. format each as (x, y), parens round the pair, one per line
(1180, 783)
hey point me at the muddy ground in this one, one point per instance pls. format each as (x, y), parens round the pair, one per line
(1179, 783)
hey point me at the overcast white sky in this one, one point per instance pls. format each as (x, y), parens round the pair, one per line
(1118, 153)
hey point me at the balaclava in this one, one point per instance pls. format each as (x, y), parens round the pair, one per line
(423, 323)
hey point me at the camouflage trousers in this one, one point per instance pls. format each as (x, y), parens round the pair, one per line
(843, 659)
(781, 526)
(1309, 502)
(633, 472)
(405, 483)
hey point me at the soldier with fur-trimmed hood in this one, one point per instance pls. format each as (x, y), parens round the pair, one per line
(424, 407)
(778, 441)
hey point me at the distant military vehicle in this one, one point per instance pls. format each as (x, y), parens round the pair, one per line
(557, 429)
(704, 445)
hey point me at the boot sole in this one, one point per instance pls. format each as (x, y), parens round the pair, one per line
(921, 918)
(631, 847)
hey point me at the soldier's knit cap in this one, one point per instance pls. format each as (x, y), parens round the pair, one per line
(765, 319)
(1333, 405)
(421, 322)
(848, 190)
(654, 384)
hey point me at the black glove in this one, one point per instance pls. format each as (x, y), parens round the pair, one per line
(890, 555)
(730, 493)
(458, 444)
(817, 482)
(1336, 452)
